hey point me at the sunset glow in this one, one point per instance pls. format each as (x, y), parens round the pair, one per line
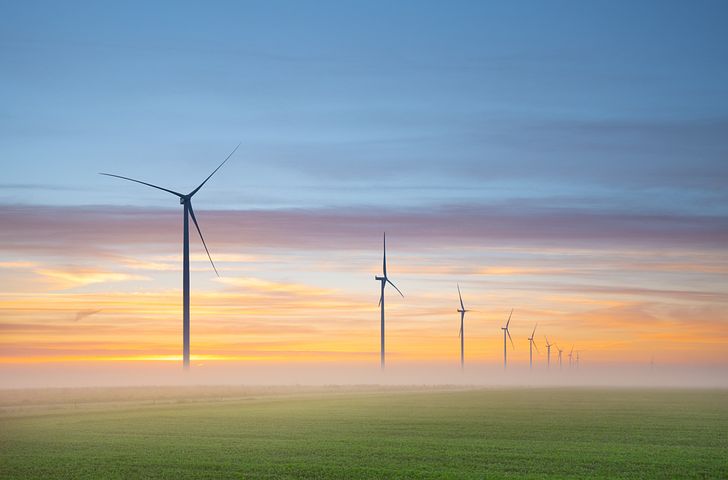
(629, 302)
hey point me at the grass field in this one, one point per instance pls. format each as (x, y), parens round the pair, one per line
(364, 433)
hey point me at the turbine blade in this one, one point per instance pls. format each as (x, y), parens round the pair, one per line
(395, 287)
(214, 171)
(461, 298)
(384, 257)
(509, 338)
(534, 330)
(380, 299)
(192, 214)
(509, 319)
(534, 344)
(143, 183)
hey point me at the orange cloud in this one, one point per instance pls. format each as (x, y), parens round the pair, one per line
(63, 279)
(265, 286)
(20, 265)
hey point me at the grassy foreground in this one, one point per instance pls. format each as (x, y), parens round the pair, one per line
(368, 433)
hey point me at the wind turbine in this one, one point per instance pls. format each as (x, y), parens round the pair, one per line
(507, 332)
(560, 351)
(531, 344)
(462, 311)
(577, 360)
(186, 202)
(571, 353)
(384, 280)
(548, 352)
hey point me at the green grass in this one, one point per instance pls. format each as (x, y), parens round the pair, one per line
(375, 433)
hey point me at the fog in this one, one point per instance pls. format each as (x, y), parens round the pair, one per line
(316, 374)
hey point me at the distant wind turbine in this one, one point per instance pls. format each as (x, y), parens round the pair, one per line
(462, 311)
(548, 352)
(384, 280)
(560, 351)
(571, 354)
(186, 201)
(577, 359)
(507, 332)
(531, 344)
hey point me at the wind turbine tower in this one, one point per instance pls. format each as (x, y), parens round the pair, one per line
(384, 281)
(560, 351)
(186, 202)
(507, 332)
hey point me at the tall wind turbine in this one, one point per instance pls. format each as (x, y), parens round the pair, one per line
(531, 344)
(186, 202)
(507, 332)
(577, 360)
(462, 311)
(384, 280)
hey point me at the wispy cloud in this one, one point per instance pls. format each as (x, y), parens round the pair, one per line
(99, 230)
(275, 288)
(18, 265)
(82, 314)
(73, 277)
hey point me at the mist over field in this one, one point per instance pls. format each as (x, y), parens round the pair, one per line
(257, 374)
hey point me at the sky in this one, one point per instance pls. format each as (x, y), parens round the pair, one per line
(568, 160)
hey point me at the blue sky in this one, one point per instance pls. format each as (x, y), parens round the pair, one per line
(610, 105)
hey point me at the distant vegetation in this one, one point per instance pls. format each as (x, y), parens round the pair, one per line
(363, 432)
